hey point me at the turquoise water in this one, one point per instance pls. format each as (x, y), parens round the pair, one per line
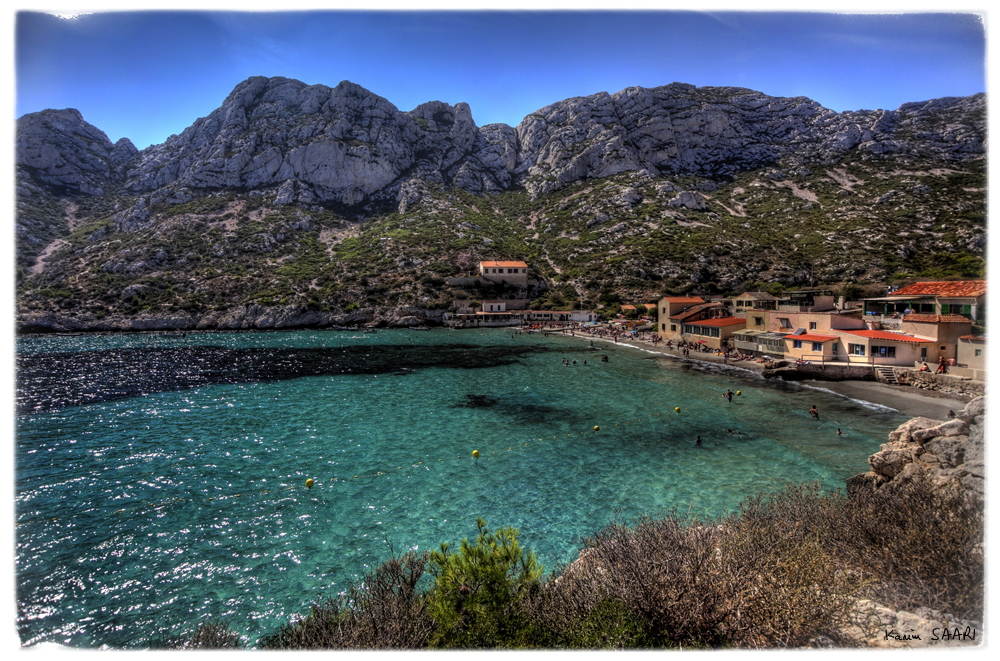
(146, 503)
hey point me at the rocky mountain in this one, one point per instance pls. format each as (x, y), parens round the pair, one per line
(639, 191)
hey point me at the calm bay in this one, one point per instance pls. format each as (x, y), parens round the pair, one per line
(160, 479)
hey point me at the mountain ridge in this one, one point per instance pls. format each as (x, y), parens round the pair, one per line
(645, 189)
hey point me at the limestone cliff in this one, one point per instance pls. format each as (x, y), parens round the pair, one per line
(946, 452)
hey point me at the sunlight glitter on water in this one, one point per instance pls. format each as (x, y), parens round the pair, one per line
(212, 476)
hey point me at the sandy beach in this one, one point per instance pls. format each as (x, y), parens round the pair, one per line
(909, 401)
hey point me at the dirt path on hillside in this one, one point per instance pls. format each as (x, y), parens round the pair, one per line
(802, 193)
(69, 215)
(843, 179)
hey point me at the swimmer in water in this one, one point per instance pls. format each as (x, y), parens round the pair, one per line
(813, 412)
(697, 441)
(839, 433)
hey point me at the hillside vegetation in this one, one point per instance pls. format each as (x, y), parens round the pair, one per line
(617, 238)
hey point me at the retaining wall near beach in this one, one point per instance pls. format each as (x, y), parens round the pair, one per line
(821, 373)
(945, 383)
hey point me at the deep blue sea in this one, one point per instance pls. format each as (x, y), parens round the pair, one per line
(160, 479)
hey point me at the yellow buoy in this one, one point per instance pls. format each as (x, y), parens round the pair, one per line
(309, 483)
(596, 427)
(677, 409)
(475, 454)
(738, 393)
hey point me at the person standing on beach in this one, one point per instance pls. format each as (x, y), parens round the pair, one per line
(813, 412)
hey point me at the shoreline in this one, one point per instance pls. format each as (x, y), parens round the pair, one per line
(909, 401)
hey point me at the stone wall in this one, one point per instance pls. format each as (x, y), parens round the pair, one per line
(820, 372)
(946, 383)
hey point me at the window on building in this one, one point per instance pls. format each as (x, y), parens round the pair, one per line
(979, 352)
(945, 308)
(783, 321)
(663, 327)
(967, 310)
(812, 325)
(833, 349)
(944, 348)
(796, 344)
(923, 353)
(856, 349)
(758, 321)
(884, 352)
(818, 346)
(673, 327)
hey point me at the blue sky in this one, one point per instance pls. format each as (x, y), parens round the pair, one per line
(146, 75)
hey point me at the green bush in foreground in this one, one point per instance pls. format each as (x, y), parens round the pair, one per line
(782, 570)
(478, 592)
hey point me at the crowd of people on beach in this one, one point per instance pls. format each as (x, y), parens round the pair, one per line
(727, 354)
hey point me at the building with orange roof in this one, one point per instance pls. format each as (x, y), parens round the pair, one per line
(669, 305)
(670, 326)
(878, 347)
(963, 297)
(711, 332)
(512, 272)
(944, 329)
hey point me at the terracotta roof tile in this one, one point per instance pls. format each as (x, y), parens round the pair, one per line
(688, 312)
(683, 299)
(973, 338)
(504, 264)
(957, 289)
(938, 318)
(886, 335)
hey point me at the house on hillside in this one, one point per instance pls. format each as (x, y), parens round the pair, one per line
(963, 297)
(515, 273)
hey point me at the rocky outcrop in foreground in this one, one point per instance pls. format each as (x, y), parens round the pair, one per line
(944, 452)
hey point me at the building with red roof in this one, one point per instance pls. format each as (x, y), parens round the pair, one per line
(879, 347)
(943, 329)
(711, 332)
(513, 272)
(962, 297)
